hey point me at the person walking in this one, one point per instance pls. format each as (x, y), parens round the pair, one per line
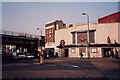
(116, 54)
(81, 55)
(111, 53)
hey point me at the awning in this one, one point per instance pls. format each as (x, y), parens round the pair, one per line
(81, 31)
(91, 45)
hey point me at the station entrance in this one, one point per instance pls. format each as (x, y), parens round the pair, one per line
(105, 51)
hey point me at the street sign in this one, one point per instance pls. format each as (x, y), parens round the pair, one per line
(62, 42)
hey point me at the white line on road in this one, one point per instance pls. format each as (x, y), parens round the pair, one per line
(75, 66)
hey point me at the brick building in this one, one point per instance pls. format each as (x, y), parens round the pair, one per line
(50, 28)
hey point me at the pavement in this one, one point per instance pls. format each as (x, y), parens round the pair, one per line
(63, 69)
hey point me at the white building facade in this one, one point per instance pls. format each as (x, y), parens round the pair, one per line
(72, 40)
(103, 37)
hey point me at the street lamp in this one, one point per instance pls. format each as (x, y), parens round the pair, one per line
(40, 47)
(40, 32)
(88, 36)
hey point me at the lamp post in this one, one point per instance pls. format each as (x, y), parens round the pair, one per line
(88, 36)
(39, 47)
(40, 32)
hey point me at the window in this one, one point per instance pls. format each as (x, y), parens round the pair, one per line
(47, 32)
(73, 38)
(50, 31)
(94, 50)
(92, 37)
(49, 35)
(82, 49)
(73, 50)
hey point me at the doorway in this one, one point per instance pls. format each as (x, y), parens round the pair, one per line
(105, 51)
(66, 52)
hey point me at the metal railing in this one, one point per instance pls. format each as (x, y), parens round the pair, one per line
(5, 32)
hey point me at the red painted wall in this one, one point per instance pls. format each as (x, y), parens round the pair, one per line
(115, 17)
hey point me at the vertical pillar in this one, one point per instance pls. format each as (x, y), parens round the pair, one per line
(76, 38)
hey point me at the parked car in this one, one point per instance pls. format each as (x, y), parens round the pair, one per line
(28, 55)
(19, 55)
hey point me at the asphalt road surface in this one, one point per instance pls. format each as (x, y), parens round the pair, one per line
(62, 68)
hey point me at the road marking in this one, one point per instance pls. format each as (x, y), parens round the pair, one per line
(75, 66)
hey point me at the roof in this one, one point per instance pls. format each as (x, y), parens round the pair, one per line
(57, 20)
(115, 17)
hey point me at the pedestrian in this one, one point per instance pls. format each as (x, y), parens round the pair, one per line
(116, 54)
(111, 53)
(56, 54)
(81, 55)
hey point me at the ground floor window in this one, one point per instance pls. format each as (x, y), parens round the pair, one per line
(73, 50)
(82, 49)
(94, 50)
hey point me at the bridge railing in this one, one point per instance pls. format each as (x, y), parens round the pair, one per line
(5, 32)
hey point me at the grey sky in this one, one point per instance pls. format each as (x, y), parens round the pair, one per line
(60, 0)
(27, 16)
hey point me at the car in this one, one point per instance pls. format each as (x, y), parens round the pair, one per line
(19, 55)
(28, 55)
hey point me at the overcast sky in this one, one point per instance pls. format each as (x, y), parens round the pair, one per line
(60, 0)
(27, 16)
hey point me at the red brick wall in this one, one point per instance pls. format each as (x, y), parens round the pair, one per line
(50, 33)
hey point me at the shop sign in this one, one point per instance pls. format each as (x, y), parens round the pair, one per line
(82, 38)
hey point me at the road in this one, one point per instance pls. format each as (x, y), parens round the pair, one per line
(62, 68)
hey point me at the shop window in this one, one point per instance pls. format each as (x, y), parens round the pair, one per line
(82, 49)
(94, 50)
(73, 50)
